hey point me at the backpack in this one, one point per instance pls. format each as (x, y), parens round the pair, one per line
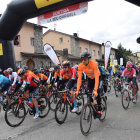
(134, 66)
(102, 70)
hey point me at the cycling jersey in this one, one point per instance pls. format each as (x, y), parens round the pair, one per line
(5, 84)
(91, 70)
(42, 77)
(3, 80)
(71, 74)
(130, 74)
(30, 72)
(15, 77)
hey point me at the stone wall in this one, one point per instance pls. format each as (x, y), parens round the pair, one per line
(75, 49)
(38, 61)
(38, 39)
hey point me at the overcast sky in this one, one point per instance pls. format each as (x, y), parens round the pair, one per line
(106, 20)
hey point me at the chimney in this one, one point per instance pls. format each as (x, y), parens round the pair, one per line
(65, 52)
(75, 34)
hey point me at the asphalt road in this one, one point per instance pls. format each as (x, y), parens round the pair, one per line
(120, 124)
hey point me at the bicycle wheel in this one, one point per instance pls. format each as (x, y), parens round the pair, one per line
(54, 98)
(125, 99)
(80, 104)
(44, 106)
(104, 108)
(17, 116)
(109, 87)
(116, 89)
(61, 111)
(86, 119)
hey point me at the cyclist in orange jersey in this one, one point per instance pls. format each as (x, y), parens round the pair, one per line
(28, 71)
(57, 76)
(43, 79)
(91, 70)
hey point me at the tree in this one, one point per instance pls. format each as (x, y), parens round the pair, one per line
(123, 53)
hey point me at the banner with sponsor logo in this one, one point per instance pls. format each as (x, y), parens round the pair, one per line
(107, 52)
(63, 13)
(50, 52)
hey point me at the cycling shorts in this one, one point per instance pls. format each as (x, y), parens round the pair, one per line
(34, 90)
(6, 87)
(131, 79)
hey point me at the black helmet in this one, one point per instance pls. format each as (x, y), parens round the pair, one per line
(86, 55)
(34, 69)
(66, 63)
(25, 67)
(36, 72)
(21, 71)
(56, 67)
(42, 71)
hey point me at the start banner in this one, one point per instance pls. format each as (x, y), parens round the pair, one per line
(63, 13)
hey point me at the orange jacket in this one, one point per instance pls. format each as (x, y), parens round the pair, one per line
(42, 76)
(58, 74)
(91, 70)
(30, 72)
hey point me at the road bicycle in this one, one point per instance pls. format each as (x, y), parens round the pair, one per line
(90, 109)
(17, 116)
(61, 110)
(128, 95)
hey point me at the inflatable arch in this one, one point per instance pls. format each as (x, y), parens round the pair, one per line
(16, 14)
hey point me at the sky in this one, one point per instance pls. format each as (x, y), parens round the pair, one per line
(106, 20)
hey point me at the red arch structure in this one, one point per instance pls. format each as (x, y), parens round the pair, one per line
(17, 13)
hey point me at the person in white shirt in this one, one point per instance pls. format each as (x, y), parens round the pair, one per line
(13, 75)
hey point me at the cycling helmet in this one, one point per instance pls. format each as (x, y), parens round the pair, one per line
(129, 64)
(10, 70)
(5, 71)
(116, 66)
(51, 69)
(86, 55)
(21, 71)
(34, 69)
(75, 67)
(36, 72)
(25, 67)
(56, 67)
(66, 63)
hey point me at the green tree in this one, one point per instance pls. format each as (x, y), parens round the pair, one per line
(123, 53)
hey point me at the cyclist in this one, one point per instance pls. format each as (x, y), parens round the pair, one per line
(51, 75)
(131, 76)
(13, 76)
(32, 85)
(5, 85)
(72, 82)
(91, 70)
(6, 73)
(43, 79)
(103, 80)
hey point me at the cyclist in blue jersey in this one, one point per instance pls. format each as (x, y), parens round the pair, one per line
(5, 85)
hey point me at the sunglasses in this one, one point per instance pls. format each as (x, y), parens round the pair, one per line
(85, 59)
(65, 67)
(129, 68)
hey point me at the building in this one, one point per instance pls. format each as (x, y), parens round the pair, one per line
(28, 47)
(71, 46)
(136, 58)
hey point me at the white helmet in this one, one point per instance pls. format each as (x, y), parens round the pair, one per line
(10, 70)
(75, 67)
(51, 69)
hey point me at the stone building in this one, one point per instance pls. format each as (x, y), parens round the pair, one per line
(28, 47)
(71, 46)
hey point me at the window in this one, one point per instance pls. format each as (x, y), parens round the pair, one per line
(17, 41)
(98, 53)
(61, 40)
(93, 52)
(17, 63)
(86, 49)
(32, 41)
